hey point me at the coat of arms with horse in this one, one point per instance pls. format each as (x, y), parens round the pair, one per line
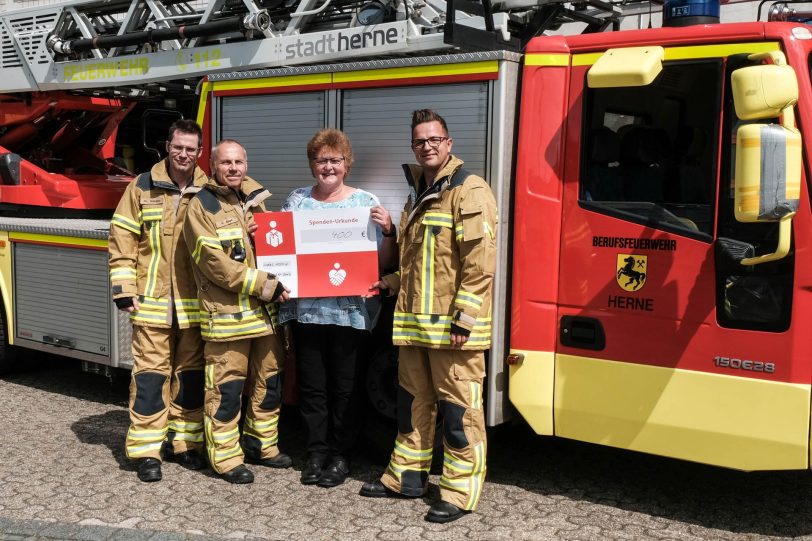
(631, 271)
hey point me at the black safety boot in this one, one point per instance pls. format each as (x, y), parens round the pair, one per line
(191, 460)
(149, 470)
(312, 471)
(441, 512)
(376, 489)
(279, 461)
(335, 474)
(239, 475)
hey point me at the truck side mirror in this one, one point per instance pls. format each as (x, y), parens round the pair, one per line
(628, 66)
(768, 156)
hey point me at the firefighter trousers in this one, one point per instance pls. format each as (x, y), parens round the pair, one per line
(450, 380)
(166, 391)
(228, 366)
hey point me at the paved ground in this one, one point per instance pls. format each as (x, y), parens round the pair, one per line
(63, 476)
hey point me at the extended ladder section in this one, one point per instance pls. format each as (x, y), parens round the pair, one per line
(123, 45)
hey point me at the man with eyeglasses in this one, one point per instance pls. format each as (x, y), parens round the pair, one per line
(442, 324)
(151, 276)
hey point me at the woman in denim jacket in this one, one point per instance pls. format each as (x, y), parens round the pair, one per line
(328, 331)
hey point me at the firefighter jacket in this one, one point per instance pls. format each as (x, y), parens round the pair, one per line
(447, 246)
(229, 285)
(148, 255)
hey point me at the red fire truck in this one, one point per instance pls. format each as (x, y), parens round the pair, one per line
(653, 207)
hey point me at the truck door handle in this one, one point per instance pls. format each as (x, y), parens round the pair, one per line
(582, 332)
(59, 341)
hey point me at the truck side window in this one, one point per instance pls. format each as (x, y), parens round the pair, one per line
(648, 154)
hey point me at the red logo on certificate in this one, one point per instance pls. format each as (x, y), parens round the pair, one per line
(319, 253)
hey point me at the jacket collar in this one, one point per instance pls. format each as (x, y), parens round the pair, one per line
(251, 192)
(161, 178)
(422, 195)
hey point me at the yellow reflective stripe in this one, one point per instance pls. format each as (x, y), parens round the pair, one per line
(122, 273)
(489, 230)
(457, 485)
(261, 425)
(207, 424)
(477, 477)
(189, 436)
(146, 435)
(125, 223)
(409, 453)
(427, 320)
(211, 242)
(436, 330)
(442, 219)
(461, 466)
(427, 278)
(213, 332)
(458, 229)
(397, 470)
(209, 378)
(154, 303)
(134, 451)
(549, 59)
(250, 281)
(476, 395)
(152, 269)
(224, 437)
(229, 234)
(149, 214)
(469, 299)
(224, 454)
(183, 426)
(266, 441)
(187, 310)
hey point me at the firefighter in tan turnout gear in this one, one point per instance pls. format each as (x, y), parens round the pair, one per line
(236, 318)
(151, 278)
(442, 324)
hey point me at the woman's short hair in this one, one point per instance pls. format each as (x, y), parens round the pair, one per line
(333, 139)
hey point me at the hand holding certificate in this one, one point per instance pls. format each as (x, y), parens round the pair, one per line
(324, 253)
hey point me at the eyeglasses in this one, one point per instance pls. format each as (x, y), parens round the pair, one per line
(335, 162)
(433, 142)
(178, 149)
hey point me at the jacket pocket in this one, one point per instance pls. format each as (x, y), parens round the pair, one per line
(473, 223)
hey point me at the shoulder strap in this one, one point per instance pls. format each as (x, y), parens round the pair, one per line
(144, 180)
(209, 201)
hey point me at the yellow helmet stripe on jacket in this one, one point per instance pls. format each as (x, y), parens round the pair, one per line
(124, 222)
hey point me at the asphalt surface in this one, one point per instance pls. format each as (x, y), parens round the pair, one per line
(63, 475)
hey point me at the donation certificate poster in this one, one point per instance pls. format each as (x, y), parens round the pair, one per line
(319, 253)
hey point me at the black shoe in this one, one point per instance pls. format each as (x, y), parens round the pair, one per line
(191, 460)
(375, 489)
(335, 474)
(239, 475)
(279, 461)
(312, 471)
(149, 470)
(442, 512)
